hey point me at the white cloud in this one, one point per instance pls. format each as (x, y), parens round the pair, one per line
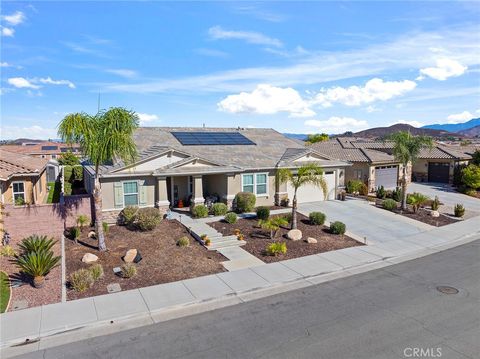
(49, 81)
(122, 72)
(371, 109)
(411, 123)
(146, 118)
(21, 82)
(7, 31)
(336, 125)
(34, 132)
(445, 68)
(5, 64)
(267, 99)
(218, 33)
(14, 19)
(460, 117)
(374, 90)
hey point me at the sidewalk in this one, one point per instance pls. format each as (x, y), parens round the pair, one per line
(49, 325)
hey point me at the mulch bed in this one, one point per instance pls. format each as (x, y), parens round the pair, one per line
(258, 239)
(424, 216)
(163, 261)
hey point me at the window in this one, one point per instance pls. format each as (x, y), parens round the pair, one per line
(357, 174)
(18, 193)
(130, 193)
(255, 183)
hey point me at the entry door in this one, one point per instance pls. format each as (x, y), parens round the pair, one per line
(438, 172)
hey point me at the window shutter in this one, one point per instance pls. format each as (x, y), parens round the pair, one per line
(118, 194)
(142, 190)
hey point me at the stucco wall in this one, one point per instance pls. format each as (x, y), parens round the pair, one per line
(267, 200)
(215, 184)
(108, 194)
(420, 168)
(35, 189)
(349, 171)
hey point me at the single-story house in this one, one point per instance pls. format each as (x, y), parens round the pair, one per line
(22, 178)
(44, 149)
(179, 166)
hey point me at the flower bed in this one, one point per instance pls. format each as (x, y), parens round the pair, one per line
(424, 216)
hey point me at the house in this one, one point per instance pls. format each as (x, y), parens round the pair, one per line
(179, 166)
(22, 178)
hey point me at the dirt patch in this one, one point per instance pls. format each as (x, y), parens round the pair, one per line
(163, 261)
(258, 239)
(424, 216)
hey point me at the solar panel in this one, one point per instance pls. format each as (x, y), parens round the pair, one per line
(211, 138)
(49, 148)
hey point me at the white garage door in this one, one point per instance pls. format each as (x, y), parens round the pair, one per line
(310, 193)
(386, 176)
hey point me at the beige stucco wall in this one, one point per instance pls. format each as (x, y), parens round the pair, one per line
(349, 171)
(215, 185)
(35, 189)
(236, 186)
(108, 194)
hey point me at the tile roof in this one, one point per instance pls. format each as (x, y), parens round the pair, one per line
(12, 164)
(36, 149)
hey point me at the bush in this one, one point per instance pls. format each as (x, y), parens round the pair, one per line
(459, 210)
(35, 243)
(244, 202)
(435, 204)
(128, 215)
(7, 251)
(471, 176)
(106, 228)
(272, 225)
(417, 200)
(19, 201)
(200, 211)
(389, 204)
(397, 194)
(363, 190)
(288, 217)
(317, 218)
(338, 227)
(354, 186)
(75, 233)
(380, 192)
(147, 219)
(471, 192)
(82, 220)
(276, 248)
(263, 213)
(68, 159)
(81, 280)
(96, 270)
(129, 270)
(77, 173)
(37, 264)
(219, 209)
(231, 217)
(183, 242)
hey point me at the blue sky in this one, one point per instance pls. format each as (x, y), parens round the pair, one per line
(299, 67)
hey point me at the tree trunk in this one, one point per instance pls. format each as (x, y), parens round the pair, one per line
(294, 211)
(404, 188)
(97, 199)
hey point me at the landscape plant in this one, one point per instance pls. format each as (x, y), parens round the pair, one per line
(231, 217)
(96, 270)
(128, 215)
(435, 204)
(106, 228)
(244, 202)
(459, 210)
(81, 280)
(200, 211)
(75, 233)
(471, 176)
(338, 228)
(129, 270)
(274, 249)
(272, 225)
(68, 159)
(389, 204)
(82, 221)
(219, 209)
(5, 291)
(417, 200)
(38, 265)
(147, 219)
(397, 194)
(380, 192)
(354, 186)
(7, 251)
(36, 243)
(317, 218)
(263, 212)
(183, 242)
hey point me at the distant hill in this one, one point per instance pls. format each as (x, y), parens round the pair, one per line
(471, 132)
(296, 136)
(380, 132)
(457, 127)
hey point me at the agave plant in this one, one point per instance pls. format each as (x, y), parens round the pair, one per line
(36, 243)
(38, 265)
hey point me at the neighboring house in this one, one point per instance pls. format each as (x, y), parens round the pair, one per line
(46, 149)
(373, 167)
(194, 165)
(22, 178)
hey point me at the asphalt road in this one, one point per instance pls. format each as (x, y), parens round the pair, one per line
(395, 312)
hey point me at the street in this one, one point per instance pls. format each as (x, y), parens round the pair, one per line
(393, 312)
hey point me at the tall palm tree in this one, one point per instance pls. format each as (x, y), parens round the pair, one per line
(406, 149)
(307, 174)
(104, 137)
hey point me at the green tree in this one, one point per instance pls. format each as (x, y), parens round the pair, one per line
(307, 174)
(68, 159)
(476, 157)
(406, 149)
(106, 136)
(318, 137)
(471, 176)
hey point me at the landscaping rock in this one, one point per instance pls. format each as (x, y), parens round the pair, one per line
(311, 240)
(294, 234)
(113, 288)
(130, 256)
(89, 258)
(435, 214)
(91, 234)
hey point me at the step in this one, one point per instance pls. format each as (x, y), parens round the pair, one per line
(214, 247)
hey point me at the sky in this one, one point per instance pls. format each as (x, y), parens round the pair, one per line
(299, 67)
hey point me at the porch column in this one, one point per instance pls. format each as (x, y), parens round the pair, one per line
(197, 197)
(230, 196)
(162, 193)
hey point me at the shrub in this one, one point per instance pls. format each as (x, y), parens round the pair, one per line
(82, 220)
(219, 209)
(204, 237)
(35, 243)
(389, 204)
(459, 210)
(471, 192)
(363, 189)
(96, 270)
(272, 225)
(338, 227)
(127, 216)
(471, 176)
(75, 233)
(37, 264)
(200, 211)
(183, 242)
(288, 217)
(397, 194)
(276, 248)
(129, 270)
(435, 204)
(417, 200)
(148, 218)
(476, 157)
(68, 159)
(317, 218)
(263, 212)
(354, 186)
(106, 228)
(77, 173)
(7, 251)
(231, 217)
(19, 201)
(380, 192)
(244, 202)
(81, 280)
(208, 242)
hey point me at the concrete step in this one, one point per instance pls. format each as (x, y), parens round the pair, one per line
(237, 243)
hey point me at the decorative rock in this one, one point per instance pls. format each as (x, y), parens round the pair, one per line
(91, 234)
(311, 240)
(294, 234)
(130, 255)
(435, 214)
(89, 258)
(113, 288)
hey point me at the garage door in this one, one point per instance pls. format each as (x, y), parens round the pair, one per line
(438, 172)
(386, 176)
(310, 193)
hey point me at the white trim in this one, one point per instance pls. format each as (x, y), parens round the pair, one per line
(23, 192)
(254, 184)
(132, 193)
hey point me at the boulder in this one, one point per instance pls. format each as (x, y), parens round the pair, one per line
(435, 214)
(311, 240)
(89, 258)
(294, 234)
(91, 234)
(130, 256)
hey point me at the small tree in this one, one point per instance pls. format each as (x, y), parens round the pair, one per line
(272, 225)
(471, 176)
(68, 159)
(318, 137)
(476, 157)
(307, 174)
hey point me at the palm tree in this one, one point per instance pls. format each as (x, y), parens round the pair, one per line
(307, 174)
(105, 137)
(406, 149)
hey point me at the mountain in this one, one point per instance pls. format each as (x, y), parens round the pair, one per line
(471, 132)
(296, 136)
(455, 127)
(380, 132)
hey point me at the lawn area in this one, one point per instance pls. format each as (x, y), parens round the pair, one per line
(4, 291)
(54, 192)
